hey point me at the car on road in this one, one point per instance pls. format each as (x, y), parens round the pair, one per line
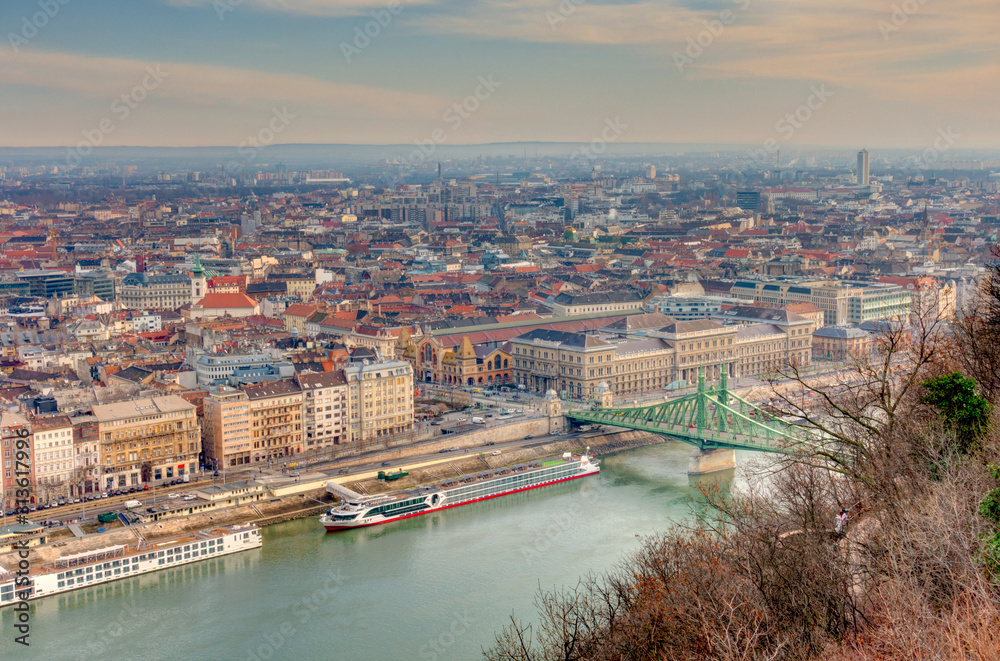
(442, 450)
(293, 474)
(173, 495)
(343, 471)
(528, 437)
(386, 463)
(495, 453)
(490, 443)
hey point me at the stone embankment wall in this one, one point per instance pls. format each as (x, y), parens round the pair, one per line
(287, 508)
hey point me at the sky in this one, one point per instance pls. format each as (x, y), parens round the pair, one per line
(844, 74)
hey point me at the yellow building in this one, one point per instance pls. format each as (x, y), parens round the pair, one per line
(147, 439)
(380, 399)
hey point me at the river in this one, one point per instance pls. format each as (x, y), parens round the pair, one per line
(431, 587)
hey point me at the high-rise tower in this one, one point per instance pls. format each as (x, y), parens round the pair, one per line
(863, 178)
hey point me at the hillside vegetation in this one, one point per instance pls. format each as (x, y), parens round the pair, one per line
(911, 453)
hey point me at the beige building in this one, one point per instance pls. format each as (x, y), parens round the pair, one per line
(326, 408)
(53, 457)
(567, 304)
(842, 302)
(147, 440)
(226, 435)
(380, 399)
(276, 430)
(140, 291)
(574, 364)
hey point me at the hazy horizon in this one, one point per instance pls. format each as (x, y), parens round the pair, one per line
(185, 73)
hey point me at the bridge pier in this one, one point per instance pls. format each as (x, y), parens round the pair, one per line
(701, 462)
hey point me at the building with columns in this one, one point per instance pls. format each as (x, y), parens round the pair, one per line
(575, 363)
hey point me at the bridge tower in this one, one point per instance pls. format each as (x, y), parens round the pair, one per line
(552, 407)
(701, 462)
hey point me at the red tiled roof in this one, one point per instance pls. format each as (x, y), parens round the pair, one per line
(226, 301)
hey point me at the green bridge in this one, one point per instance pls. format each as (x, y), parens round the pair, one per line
(714, 420)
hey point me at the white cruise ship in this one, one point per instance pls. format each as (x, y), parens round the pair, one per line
(80, 570)
(356, 511)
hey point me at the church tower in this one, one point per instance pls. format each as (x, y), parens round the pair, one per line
(199, 286)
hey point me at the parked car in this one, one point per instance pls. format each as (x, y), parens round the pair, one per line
(442, 450)
(293, 474)
(151, 509)
(164, 507)
(189, 497)
(145, 487)
(104, 495)
(173, 495)
(490, 443)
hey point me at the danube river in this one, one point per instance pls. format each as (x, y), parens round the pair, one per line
(431, 587)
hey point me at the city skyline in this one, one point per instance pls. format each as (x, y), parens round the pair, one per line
(197, 72)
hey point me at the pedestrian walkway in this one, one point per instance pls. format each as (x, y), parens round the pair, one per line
(76, 530)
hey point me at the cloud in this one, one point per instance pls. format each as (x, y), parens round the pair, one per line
(195, 103)
(939, 45)
(324, 8)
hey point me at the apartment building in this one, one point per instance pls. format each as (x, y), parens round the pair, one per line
(141, 291)
(380, 399)
(568, 304)
(15, 428)
(276, 429)
(326, 408)
(226, 431)
(147, 439)
(53, 457)
(87, 455)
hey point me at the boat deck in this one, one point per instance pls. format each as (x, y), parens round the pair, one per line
(381, 499)
(140, 548)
